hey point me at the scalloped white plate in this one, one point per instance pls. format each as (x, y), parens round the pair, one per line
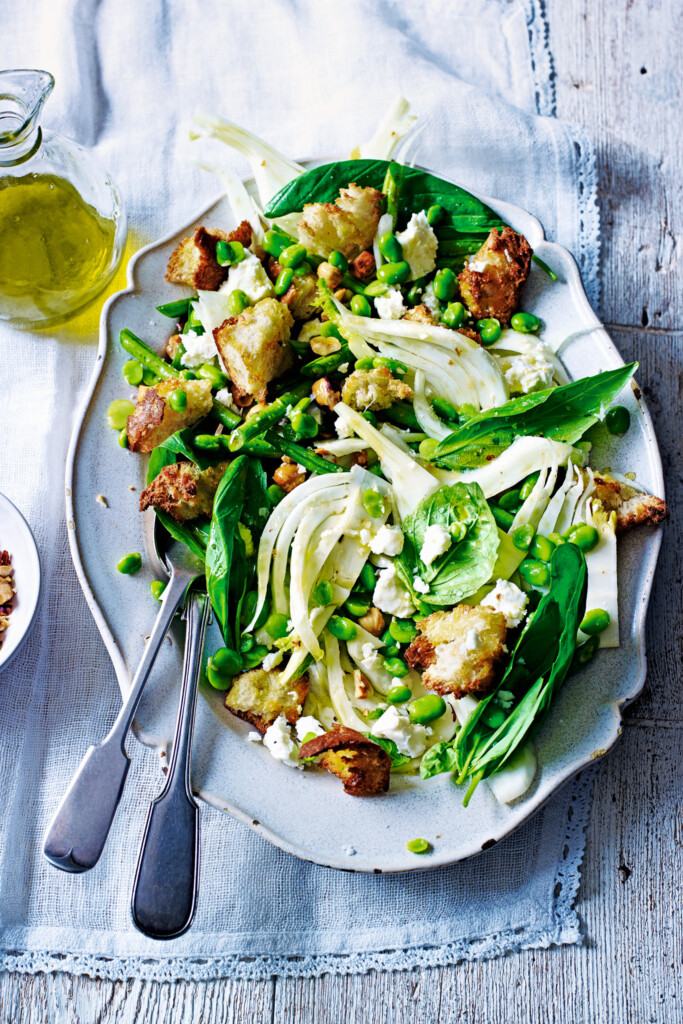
(305, 813)
(16, 537)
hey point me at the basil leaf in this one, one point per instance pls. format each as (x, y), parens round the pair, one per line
(538, 667)
(226, 546)
(419, 191)
(438, 759)
(190, 535)
(561, 414)
(468, 562)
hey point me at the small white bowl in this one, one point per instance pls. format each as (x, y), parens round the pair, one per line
(17, 539)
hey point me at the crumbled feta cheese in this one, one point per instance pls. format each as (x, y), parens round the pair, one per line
(254, 737)
(471, 643)
(307, 724)
(430, 300)
(390, 306)
(368, 650)
(387, 541)
(342, 369)
(372, 660)
(437, 541)
(508, 599)
(477, 265)
(250, 277)
(390, 595)
(420, 585)
(349, 851)
(342, 429)
(531, 371)
(225, 397)
(419, 244)
(409, 739)
(365, 537)
(272, 660)
(280, 744)
(199, 349)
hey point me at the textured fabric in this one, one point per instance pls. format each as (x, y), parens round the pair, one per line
(312, 76)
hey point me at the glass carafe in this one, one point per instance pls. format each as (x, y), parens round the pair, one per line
(62, 224)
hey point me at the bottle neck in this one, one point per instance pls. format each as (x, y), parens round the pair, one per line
(17, 145)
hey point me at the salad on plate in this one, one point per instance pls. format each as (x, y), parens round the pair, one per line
(356, 424)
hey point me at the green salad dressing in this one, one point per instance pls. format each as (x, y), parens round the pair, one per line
(54, 247)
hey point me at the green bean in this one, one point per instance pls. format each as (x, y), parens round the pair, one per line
(247, 641)
(353, 285)
(402, 414)
(284, 280)
(303, 456)
(618, 419)
(176, 310)
(393, 180)
(466, 411)
(418, 846)
(137, 348)
(399, 694)
(595, 621)
(268, 417)
(130, 564)
(370, 417)
(503, 518)
(556, 539)
(226, 416)
(493, 717)
(426, 709)
(544, 266)
(403, 631)
(341, 628)
(326, 364)
(525, 323)
(390, 247)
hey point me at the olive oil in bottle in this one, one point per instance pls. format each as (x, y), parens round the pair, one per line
(55, 249)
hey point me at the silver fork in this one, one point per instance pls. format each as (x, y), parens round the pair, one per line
(77, 834)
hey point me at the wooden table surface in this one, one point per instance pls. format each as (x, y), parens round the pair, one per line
(619, 72)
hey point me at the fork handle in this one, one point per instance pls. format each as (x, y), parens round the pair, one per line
(166, 879)
(79, 829)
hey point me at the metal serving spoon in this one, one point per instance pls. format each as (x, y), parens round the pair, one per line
(167, 875)
(79, 830)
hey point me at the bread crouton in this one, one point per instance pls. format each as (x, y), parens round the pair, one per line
(253, 346)
(154, 420)
(361, 764)
(491, 284)
(633, 507)
(184, 490)
(348, 225)
(363, 267)
(301, 298)
(373, 389)
(460, 650)
(193, 261)
(259, 697)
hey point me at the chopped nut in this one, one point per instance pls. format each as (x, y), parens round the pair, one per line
(256, 407)
(363, 267)
(373, 622)
(331, 275)
(361, 687)
(101, 500)
(344, 295)
(325, 393)
(325, 346)
(288, 477)
(172, 346)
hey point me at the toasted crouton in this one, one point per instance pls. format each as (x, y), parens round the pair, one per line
(491, 284)
(459, 650)
(253, 346)
(422, 314)
(361, 764)
(633, 507)
(363, 267)
(373, 389)
(184, 490)
(301, 298)
(194, 262)
(348, 225)
(259, 697)
(154, 420)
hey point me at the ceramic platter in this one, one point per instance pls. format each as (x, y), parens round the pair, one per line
(307, 813)
(16, 537)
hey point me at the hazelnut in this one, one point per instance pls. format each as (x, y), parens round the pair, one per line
(172, 346)
(325, 346)
(373, 622)
(325, 393)
(331, 275)
(288, 477)
(344, 295)
(361, 687)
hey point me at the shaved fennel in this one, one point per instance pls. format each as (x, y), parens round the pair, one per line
(393, 127)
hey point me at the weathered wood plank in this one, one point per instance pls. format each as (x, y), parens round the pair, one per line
(62, 999)
(630, 968)
(619, 73)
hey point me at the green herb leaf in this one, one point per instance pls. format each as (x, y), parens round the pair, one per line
(535, 673)
(561, 414)
(468, 562)
(391, 749)
(225, 547)
(438, 759)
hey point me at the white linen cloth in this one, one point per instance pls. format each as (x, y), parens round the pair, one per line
(313, 77)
